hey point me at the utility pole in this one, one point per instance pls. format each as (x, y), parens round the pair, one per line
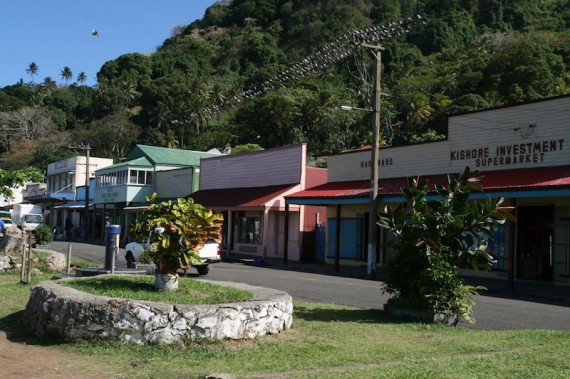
(373, 206)
(87, 149)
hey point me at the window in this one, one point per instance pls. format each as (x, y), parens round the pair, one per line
(140, 177)
(249, 227)
(113, 178)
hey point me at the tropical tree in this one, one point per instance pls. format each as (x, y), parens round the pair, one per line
(32, 70)
(433, 238)
(66, 74)
(81, 77)
(110, 136)
(49, 85)
(176, 228)
(171, 141)
(11, 179)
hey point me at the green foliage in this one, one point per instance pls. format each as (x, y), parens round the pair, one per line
(176, 228)
(10, 179)
(247, 147)
(501, 51)
(435, 237)
(43, 235)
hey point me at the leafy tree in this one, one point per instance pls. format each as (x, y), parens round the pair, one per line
(177, 229)
(467, 103)
(245, 148)
(49, 85)
(65, 101)
(524, 68)
(8, 102)
(50, 150)
(112, 136)
(11, 179)
(433, 238)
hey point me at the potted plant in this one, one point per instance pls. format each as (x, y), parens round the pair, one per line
(176, 228)
(433, 238)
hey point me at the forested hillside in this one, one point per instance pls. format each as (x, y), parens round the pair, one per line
(275, 72)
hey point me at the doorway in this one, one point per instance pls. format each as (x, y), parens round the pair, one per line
(535, 248)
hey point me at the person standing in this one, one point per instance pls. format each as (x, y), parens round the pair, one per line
(68, 229)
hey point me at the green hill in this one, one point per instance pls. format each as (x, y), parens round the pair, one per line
(275, 72)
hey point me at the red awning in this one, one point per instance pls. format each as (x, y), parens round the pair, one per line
(239, 197)
(492, 181)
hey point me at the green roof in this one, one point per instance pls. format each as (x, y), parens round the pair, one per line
(143, 161)
(165, 156)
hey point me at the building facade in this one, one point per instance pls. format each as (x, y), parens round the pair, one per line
(121, 189)
(249, 189)
(522, 152)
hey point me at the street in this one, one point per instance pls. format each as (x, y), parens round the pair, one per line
(492, 311)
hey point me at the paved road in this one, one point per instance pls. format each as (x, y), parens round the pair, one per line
(492, 312)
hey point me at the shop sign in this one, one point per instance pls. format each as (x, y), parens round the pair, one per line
(509, 154)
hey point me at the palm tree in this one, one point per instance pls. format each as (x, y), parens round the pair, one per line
(32, 70)
(171, 141)
(49, 85)
(66, 74)
(82, 77)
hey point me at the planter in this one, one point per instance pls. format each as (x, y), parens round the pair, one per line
(166, 282)
(428, 317)
(148, 268)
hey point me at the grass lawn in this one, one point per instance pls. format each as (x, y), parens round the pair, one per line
(326, 341)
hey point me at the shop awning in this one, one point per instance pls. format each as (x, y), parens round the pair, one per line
(73, 205)
(135, 209)
(239, 197)
(540, 181)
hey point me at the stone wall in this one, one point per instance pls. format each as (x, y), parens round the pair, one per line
(54, 309)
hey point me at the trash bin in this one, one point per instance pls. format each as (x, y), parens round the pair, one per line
(113, 233)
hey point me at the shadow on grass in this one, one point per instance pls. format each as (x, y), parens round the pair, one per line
(16, 329)
(365, 316)
(124, 284)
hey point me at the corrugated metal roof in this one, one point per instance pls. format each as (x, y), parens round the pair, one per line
(139, 162)
(239, 197)
(165, 156)
(492, 181)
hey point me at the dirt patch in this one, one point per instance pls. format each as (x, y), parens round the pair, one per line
(18, 360)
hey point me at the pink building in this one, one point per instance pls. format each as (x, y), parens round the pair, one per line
(250, 188)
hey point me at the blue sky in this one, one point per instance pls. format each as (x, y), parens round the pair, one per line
(55, 34)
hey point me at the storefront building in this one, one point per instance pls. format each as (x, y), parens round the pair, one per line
(249, 189)
(121, 189)
(63, 196)
(522, 152)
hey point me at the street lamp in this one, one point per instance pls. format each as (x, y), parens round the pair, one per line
(373, 205)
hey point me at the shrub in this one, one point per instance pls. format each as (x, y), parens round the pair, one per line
(434, 238)
(43, 235)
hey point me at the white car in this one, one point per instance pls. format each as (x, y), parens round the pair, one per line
(8, 223)
(209, 253)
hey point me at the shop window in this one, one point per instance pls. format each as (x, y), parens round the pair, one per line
(249, 229)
